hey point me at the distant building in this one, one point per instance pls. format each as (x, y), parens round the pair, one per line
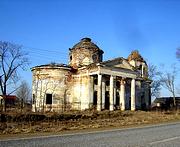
(166, 102)
(88, 82)
(10, 99)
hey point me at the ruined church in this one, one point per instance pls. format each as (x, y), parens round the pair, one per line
(88, 82)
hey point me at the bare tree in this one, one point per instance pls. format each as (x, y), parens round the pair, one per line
(11, 59)
(155, 76)
(168, 81)
(23, 93)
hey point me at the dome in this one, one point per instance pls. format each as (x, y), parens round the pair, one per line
(135, 56)
(87, 44)
(84, 53)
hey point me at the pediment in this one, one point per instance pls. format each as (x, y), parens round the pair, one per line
(118, 63)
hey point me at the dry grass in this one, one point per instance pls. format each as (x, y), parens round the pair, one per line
(52, 122)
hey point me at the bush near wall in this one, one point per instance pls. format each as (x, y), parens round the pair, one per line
(74, 116)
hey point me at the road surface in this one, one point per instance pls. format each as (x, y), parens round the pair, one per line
(165, 135)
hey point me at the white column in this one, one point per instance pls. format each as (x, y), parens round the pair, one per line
(99, 93)
(142, 70)
(103, 93)
(133, 95)
(111, 93)
(122, 95)
(115, 91)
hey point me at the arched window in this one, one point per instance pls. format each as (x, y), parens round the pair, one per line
(48, 98)
(141, 70)
(70, 58)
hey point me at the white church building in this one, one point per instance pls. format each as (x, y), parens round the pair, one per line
(88, 82)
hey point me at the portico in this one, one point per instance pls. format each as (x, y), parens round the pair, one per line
(111, 88)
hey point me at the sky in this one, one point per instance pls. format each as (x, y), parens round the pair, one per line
(48, 28)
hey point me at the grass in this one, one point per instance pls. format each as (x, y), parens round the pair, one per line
(25, 123)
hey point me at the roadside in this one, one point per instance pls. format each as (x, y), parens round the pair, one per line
(89, 121)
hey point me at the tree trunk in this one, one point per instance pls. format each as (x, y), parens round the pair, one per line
(4, 98)
(4, 103)
(174, 100)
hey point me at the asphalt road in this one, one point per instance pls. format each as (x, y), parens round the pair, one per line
(166, 135)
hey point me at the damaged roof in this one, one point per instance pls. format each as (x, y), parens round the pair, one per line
(53, 65)
(135, 56)
(87, 44)
(118, 61)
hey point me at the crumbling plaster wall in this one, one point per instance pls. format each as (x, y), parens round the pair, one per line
(81, 90)
(82, 56)
(50, 81)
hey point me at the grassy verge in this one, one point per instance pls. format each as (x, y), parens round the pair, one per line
(77, 121)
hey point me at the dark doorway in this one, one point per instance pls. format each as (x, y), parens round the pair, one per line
(118, 84)
(129, 107)
(143, 104)
(107, 100)
(107, 83)
(95, 81)
(95, 98)
(117, 99)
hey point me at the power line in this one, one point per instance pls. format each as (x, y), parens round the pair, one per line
(45, 50)
(48, 55)
(45, 59)
(45, 54)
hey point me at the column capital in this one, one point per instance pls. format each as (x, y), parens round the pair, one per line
(123, 81)
(99, 74)
(113, 76)
(133, 79)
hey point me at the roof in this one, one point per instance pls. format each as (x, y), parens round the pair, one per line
(117, 61)
(164, 99)
(52, 65)
(9, 97)
(87, 44)
(114, 59)
(112, 64)
(135, 56)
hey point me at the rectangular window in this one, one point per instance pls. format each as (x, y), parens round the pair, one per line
(48, 98)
